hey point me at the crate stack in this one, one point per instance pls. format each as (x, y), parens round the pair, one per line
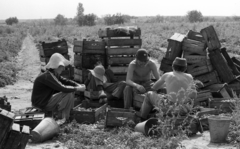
(87, 54)
(12, 136)
(4, 104)
(47, 49)
(174, 50)
(122, 44)
(196, 54)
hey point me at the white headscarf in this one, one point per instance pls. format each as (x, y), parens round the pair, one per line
(57, 60)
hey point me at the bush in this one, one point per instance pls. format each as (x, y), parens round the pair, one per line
(11, 20)
(60, 20)
(89, 19)
(195, 16)
(116, 19)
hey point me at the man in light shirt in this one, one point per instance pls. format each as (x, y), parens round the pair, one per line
(174, 81)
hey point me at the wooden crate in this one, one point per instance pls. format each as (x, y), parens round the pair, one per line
(221, 66)
(200, 68)
(122, 51)
(123, 42)
(17, 138)
(192, 59)
(219, 90)
(174, 48)
(6, 106)
(138, 100)
(31, 120)
(193, 47)
(94, 46)
(128, 31)
(118, 117)
(195, 36)
(225, 105)
(88, 61)
(81, 115)
(6, 119)
(59, 46)
(120, 60)
(80, 75)
(166, 65)
(208, 78)
(235, 87)
(230, 63)
(211, 38)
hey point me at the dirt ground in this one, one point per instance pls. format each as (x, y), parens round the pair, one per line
(19, 95)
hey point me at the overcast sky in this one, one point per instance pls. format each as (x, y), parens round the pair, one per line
(47, 9)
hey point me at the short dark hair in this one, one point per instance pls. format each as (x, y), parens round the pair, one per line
(179, 68)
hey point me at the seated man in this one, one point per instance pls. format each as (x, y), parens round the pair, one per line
(46, 85)
(139, 76)
(174, 81)
(102, 82)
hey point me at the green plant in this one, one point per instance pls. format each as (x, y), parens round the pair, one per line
(11, 20)
(60, 20)
(194, 16)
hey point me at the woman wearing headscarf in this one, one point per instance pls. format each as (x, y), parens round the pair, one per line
(46, 85)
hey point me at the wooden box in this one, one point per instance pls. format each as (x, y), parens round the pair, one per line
(55, 47)
(138, 100)
(94, 46)
(221, 66)
(118, 117)
(166, 65)
(122, 51)
(90, 115)
(211, 38)
(88, 61)
(208, 78)
(193, 47)
(192, 59)
(174, 48)
(6, 119)
(31, 120)
(127, 31)
(17, 137)
(230, 63)
(80, 75)
(196, 70)
(225, 105)
(195, 36)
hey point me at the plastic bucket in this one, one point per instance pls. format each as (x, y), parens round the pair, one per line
(45, 130)
(218, 127)
(145, 126)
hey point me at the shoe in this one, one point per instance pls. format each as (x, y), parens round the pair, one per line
(61, 121)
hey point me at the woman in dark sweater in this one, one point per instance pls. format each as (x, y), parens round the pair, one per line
(46, 85)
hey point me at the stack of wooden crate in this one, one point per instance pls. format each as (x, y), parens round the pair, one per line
(122, 44)
(12, 136)
(47, 49)
(88, 53)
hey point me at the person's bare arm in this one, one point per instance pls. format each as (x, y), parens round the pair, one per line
(155, 71)
(159, 83)
(130, 76)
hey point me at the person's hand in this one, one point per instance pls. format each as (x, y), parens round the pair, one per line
(81, 87)
(141, 89)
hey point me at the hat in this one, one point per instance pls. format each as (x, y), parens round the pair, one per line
(142, 55)
(99, 72)
(57, 60)
(180, 61)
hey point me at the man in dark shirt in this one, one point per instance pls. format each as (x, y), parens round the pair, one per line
(46, 85)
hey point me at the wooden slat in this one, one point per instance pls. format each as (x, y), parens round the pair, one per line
(119, 70)
(195, 58)
(177, 37)
(124, 42)
(187, 41)
(77, 71)
(78, 78)
(119, 60)
(138, 100)
(200, 53)
(25, 136)
(122, 51)
(77, 49)
(195, 36)
(200, 70)
(98, 46)
(202, 63)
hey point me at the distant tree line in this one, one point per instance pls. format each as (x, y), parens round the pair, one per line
(11, 21)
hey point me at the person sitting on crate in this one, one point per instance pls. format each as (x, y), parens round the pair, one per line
(175, 81)
(139, 76)
(46, 85)
(103, 85)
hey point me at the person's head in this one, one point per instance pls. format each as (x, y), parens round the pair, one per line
(179, 64)
(142, 57)
(99, 72)
(57, 63)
